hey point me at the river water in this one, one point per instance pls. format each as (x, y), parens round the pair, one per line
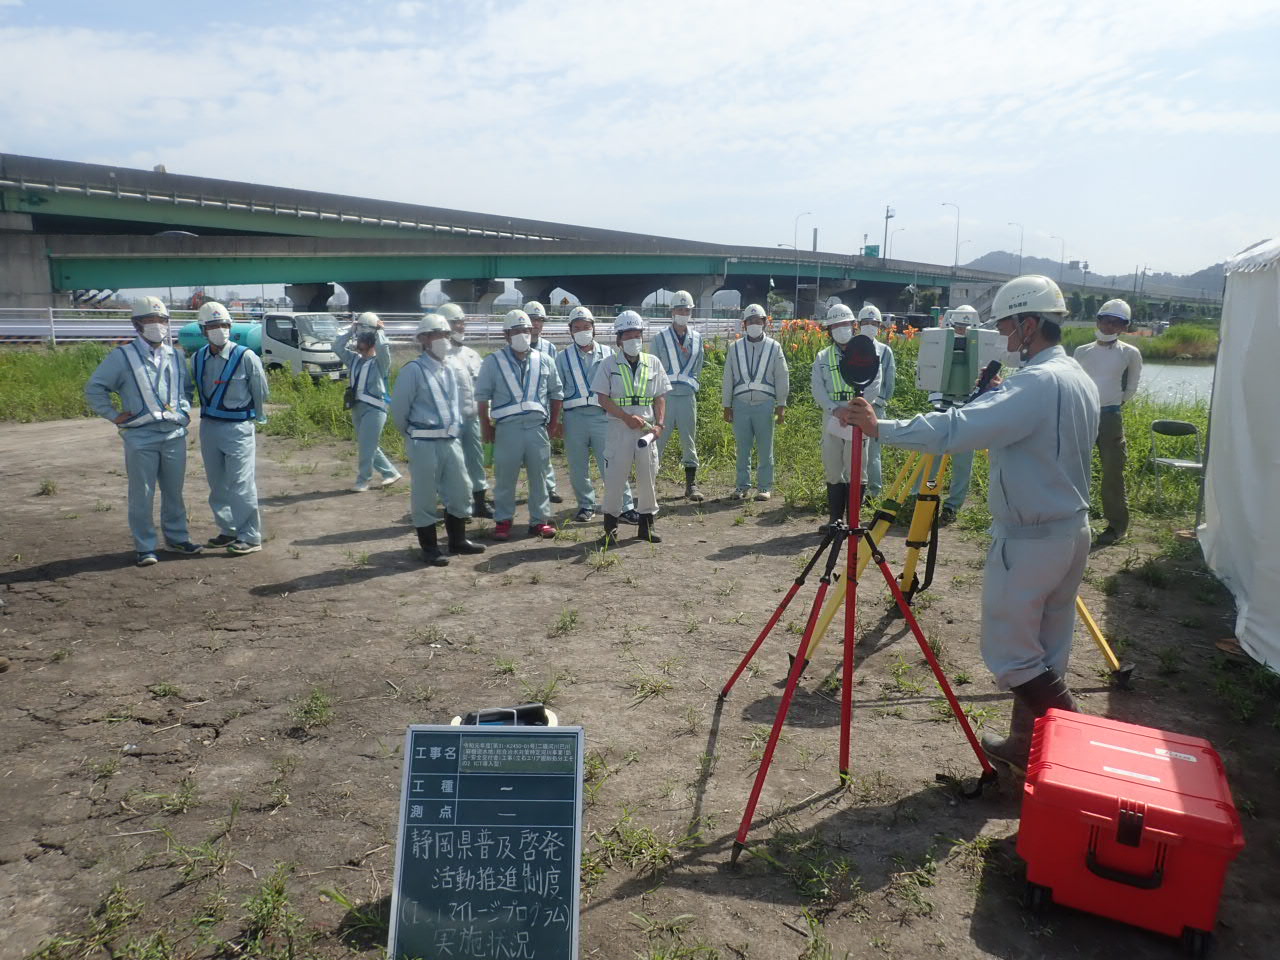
(1176, 381)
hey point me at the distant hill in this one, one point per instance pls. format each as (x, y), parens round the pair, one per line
(1206, 282)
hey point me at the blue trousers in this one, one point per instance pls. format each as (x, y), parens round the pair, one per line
(229, 451)
(369, 422)
(473, 454)
(151, 460)
(682, 415)
(586, 430)
(437, 471)
(753, 427)
(521, 442)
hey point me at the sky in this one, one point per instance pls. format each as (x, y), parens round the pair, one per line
(1142, 132)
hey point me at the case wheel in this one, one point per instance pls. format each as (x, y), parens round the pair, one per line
(1196, 943)
(1036, 898)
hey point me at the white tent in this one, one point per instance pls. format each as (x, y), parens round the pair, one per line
(1241, 534)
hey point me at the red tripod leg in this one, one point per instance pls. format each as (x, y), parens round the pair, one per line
(987, 769)
(851, 599)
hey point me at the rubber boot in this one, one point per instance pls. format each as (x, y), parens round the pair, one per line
(610, 536)
(691, 491)
(646, 530)
(1031, 700)
(837, 501)
(480, 507)
(458, 542)
(430, 550)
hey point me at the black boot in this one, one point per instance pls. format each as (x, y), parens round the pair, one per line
(610, 536)
(480, 507)
(456, 527)
(646, 531)
(837, 500)
(1031, 700)
(691, 491)
(430, 551)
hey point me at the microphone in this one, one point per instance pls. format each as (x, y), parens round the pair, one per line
(984, 381)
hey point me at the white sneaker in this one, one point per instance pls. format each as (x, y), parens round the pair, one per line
(240, 548)
(740, 494)
(360, 488)
(388, 481)
(763, 495)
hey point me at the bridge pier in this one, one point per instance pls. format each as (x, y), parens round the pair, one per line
(751, 290)
(24, 272)
(309, 297)
(388, 296)
(538, 288)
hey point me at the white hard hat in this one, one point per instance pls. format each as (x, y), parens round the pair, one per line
(451, 312)
(514, 319)
(838, 313)
(212, 313)
(681, 298)
(534, 309)
(367, 320)
(432, 323)
(1117, 309)
(581, 313)
(1028, 294)
(628, 320)
(754, 310)
(149, 307)
(870, 314)
(962, 316)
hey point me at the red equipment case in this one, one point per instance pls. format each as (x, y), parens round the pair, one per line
(1128, 822)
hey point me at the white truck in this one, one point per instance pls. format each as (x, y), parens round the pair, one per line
(298, 342)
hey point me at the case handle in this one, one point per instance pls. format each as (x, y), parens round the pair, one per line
(1151, 881)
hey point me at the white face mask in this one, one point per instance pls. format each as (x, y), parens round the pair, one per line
(842, 335)
(520, 342)
(632, 347)
(583, 338)
(217, 336)
(439, 348)
(458, 336)
(1105, 337)
(680, 320)
(869, 330)
(154, 332)
(755, 330)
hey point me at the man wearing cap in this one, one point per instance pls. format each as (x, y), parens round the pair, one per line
(150, 379)
(631, 387)
(586, 425)
(1116, 368)
(830, 392)
(681, 351)
(369, 369)
(1040, 427)
(472, 444)
(538, 316)
(233, 396)
(870, 323)
(754, 395)
(426, 406)
(518, 397)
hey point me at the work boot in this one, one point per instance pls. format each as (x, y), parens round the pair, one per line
(456, 527)
(610, 536)
(947, 517)
(629, 516)
(480, 507)
(691, 491)
(837, 500)
(1031, 700)
(430, 550)
(646, 530)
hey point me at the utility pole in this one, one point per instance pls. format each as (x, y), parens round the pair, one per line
(1062, 258)
(1021, 235)
(884, 247)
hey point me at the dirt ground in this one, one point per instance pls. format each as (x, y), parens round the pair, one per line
(176, 732)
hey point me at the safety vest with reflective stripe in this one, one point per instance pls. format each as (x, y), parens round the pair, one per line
(441, 382)
(580, 377)
(840, 389)
(150, 383)
(754, 378)
(360, 371)
(637, 389)
(212, 405)
(681, 372)
(528, 397)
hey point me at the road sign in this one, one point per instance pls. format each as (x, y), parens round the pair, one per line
(489, 843)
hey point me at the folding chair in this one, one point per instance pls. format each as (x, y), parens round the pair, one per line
(1173, 428)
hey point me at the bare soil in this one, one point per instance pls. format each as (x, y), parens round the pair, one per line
(153, 732)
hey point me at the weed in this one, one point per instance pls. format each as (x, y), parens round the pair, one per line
(567, 622)
(907, 887)
(903, 682)
(431, 635)
(162, 690)
(62, 653)
(362, 921)
(1170, 659)
(818, 944)
(269, 918)
(314, 710)
(602, 558)
(454, 609)
(1145, 601)
(961, 678)
(971, 856)
(48, 488)
(1152, 573)
(1111, 586)
(505, 666)
(544, 693)
(639, 847)
(1192, 622)
(692, 720)
(198, 860)
(644, 686)
(180, 801)
(739, 520)
(360, 559)
(105, 769)
(535, 578)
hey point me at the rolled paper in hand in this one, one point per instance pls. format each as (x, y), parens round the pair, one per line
(645, 440)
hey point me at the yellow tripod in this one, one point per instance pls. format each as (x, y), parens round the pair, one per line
(1120, 673)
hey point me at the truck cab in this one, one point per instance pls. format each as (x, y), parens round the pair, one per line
(297, 342)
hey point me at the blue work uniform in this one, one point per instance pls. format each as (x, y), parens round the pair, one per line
(1039, 427)
(471, 439)
(888, 381)
(829, 392)
(233, 395)
(152, 385)
(368, 377)
(426, 406)
(543, 345)
(756, 381)
(682, 358)
(519, 391)
(586, 425)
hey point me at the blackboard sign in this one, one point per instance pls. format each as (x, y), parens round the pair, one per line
(489, 844)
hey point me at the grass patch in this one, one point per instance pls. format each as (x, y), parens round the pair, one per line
(314, 710)
(567, 622)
